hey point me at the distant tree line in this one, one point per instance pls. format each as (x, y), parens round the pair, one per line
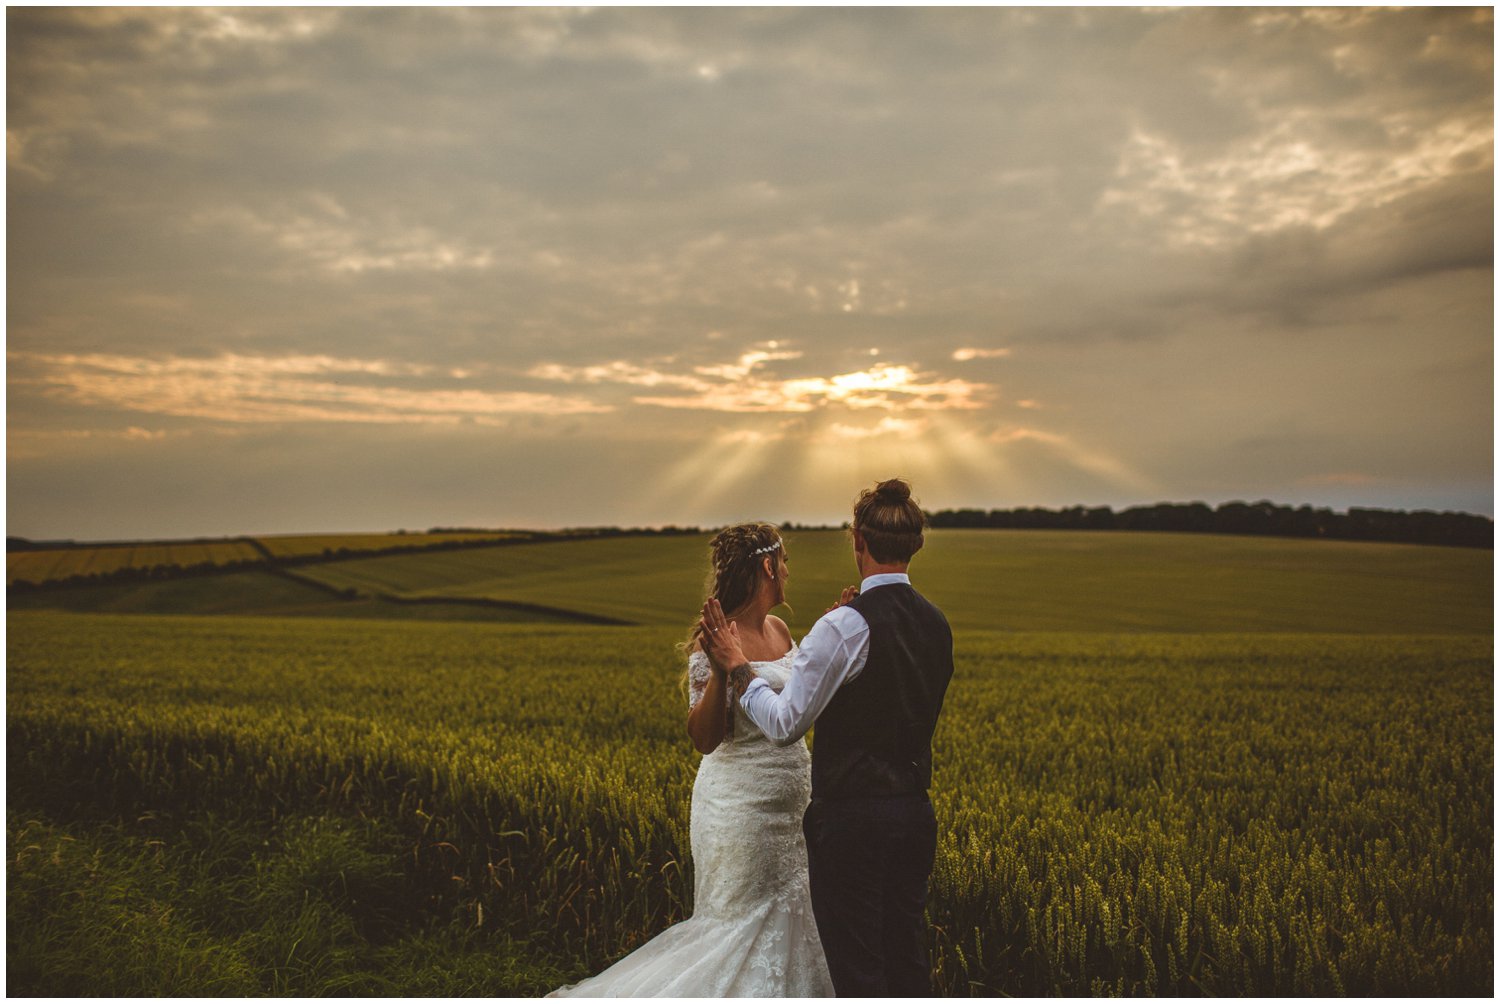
(1454, 529)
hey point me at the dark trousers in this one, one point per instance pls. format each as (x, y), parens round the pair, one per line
(868, 862)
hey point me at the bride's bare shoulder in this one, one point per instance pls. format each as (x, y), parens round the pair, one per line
(780, 627)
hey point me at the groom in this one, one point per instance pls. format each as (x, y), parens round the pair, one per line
(872, 673)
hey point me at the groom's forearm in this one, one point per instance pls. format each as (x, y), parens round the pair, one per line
(768, 710)
(830, 655)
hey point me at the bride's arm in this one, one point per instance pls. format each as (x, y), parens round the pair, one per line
(707, 722)
(834, 652)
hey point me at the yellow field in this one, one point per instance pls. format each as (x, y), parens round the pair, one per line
(319, 807)
(64, 562)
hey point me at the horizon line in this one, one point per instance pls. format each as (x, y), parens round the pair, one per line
(712, 526)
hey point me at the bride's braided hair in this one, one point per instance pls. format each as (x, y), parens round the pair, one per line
(736, 556)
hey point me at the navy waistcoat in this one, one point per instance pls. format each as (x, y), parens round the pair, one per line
(875, 736)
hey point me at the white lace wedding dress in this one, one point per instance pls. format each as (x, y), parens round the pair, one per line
(752, 932)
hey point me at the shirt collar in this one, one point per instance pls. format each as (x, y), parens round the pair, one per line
(884, 579)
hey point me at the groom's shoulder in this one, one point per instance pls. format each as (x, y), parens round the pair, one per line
(845, 619)
(901, 602)
(934, 612)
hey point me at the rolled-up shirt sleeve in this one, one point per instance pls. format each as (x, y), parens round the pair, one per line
(833, 653)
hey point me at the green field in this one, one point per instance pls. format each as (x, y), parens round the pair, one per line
(1030, 580)
(996, 579)
(253, 592)
(47, 564)
(1168, 764)
(302, 545)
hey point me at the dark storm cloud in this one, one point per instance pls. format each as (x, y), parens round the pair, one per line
(203, 201)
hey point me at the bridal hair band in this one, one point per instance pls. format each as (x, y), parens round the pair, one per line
(767, 549)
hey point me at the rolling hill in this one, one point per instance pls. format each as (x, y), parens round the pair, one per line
(984, 579)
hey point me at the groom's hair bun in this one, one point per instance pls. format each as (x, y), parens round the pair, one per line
(890, 521)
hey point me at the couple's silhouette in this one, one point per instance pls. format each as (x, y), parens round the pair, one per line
(810, 869)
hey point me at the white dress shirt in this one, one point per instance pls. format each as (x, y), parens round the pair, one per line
(832, 654)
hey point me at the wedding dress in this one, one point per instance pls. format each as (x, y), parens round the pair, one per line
(752, 932)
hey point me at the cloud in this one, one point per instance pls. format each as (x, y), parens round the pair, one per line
(1283, 179)
(617, 372)
(745, 386)
(328, 238)
(254, 389)
(749, 362)
(29, 444)
(1191, 225)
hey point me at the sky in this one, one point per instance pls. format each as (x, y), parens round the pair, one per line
(298, 270)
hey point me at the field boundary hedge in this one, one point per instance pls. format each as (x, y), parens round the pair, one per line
(277, 563)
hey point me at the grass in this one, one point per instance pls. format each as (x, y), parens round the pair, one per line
(1168, 764)
(253, 593)
(1119, 581)
(638, 579)
(60, 563)
(301, 545)
(1032, 580)
(1002, 580)
(209, 906)
(419, 803)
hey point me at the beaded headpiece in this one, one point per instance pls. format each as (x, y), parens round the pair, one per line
(767, 549)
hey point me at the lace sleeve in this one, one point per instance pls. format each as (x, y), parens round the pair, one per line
(698, 674)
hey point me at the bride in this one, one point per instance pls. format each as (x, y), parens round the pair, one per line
(752, 932)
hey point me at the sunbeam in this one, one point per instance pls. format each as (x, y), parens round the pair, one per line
(708, 477)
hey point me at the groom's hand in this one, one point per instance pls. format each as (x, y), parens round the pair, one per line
(721, 638)
(848, 594)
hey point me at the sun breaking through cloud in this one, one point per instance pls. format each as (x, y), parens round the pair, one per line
(746, 386)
